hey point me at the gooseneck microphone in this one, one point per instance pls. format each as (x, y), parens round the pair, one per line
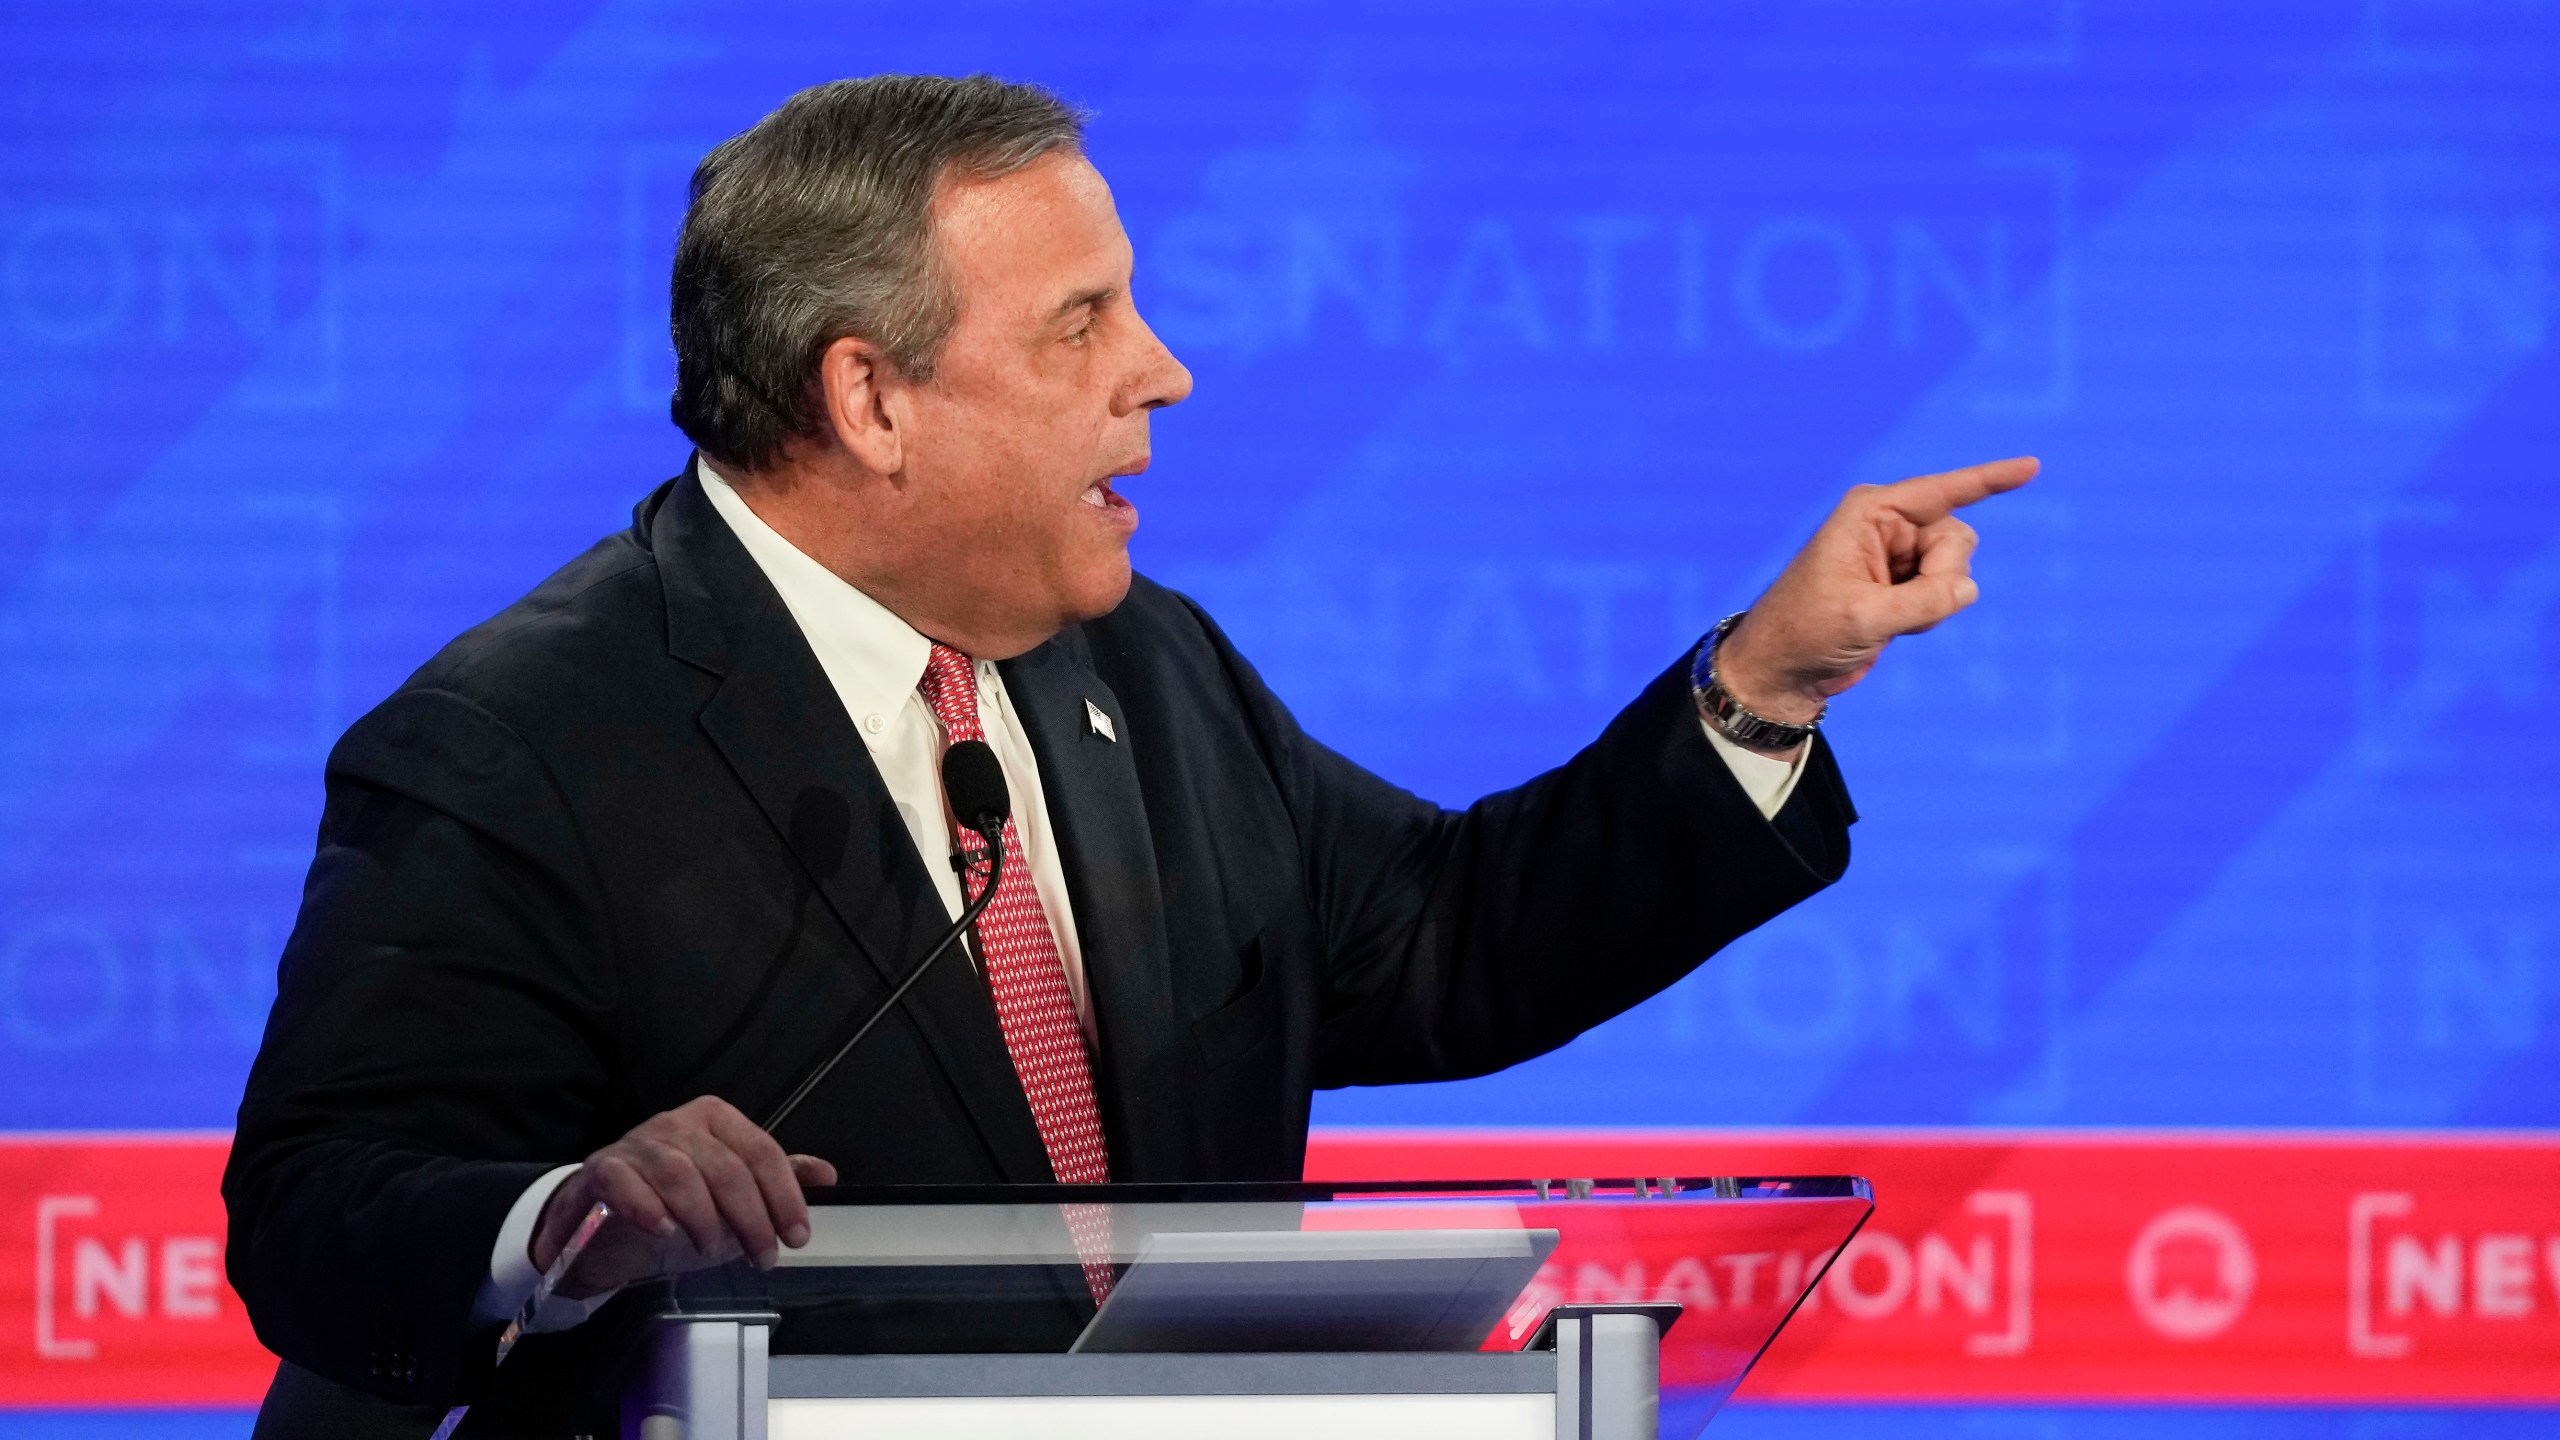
(974, 784)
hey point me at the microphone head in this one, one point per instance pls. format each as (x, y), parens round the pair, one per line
(974, 783)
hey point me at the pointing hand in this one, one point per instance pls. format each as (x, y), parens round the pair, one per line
(1891, 560)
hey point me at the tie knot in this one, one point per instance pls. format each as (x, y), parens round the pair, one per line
(950, 686)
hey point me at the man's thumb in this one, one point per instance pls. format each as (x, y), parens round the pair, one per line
(1922, 601)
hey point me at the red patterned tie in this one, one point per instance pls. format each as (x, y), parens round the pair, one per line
(1033, 1007)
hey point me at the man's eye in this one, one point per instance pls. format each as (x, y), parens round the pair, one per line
(1080, 334)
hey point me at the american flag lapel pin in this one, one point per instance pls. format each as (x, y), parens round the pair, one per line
(1101, 723)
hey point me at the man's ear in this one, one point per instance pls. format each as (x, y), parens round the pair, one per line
(861, 385)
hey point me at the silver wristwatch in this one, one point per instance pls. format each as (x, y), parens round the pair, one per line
(1727, 715)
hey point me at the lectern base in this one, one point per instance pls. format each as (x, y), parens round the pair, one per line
(1172, 1417)
(711, 1379)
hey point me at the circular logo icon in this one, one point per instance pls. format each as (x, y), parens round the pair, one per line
(2190, 1273)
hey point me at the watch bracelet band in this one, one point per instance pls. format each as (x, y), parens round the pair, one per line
(1730, 717)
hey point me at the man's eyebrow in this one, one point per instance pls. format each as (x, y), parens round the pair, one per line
(1082, 298)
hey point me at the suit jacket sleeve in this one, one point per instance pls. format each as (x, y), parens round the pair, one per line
(439, 997)
(1458, 942)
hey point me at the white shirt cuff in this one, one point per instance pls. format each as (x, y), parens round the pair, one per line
(512, 1277)
(1766, 779)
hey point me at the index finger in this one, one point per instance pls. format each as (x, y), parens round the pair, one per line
(784, 1205)
(1934, 497)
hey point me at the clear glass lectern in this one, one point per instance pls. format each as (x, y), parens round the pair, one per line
(1495, 1310)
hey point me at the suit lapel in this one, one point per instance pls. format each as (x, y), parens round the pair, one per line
(785, 734)
(1099, 815)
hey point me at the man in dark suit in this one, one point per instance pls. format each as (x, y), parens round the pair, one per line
(607, 875)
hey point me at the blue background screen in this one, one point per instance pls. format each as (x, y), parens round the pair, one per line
(1529, 341)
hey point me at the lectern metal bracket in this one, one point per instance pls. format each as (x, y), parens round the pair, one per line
(706, 1377)
(1608, 1368)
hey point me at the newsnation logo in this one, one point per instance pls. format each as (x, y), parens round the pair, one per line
(2046, 1265)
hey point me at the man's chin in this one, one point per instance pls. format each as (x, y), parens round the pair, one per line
(1104, 592)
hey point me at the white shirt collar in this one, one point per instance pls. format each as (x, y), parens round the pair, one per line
(872, 657)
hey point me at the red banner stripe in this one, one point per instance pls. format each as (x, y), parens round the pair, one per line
(111, 1288)
(2212, 1267)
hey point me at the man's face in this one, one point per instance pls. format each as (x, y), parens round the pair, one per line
(1040, 397)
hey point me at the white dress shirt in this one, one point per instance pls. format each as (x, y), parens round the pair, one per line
(873, 659)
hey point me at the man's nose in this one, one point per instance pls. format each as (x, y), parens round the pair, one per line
(1157, 380)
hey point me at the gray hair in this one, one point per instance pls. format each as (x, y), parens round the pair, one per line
(814, 225)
